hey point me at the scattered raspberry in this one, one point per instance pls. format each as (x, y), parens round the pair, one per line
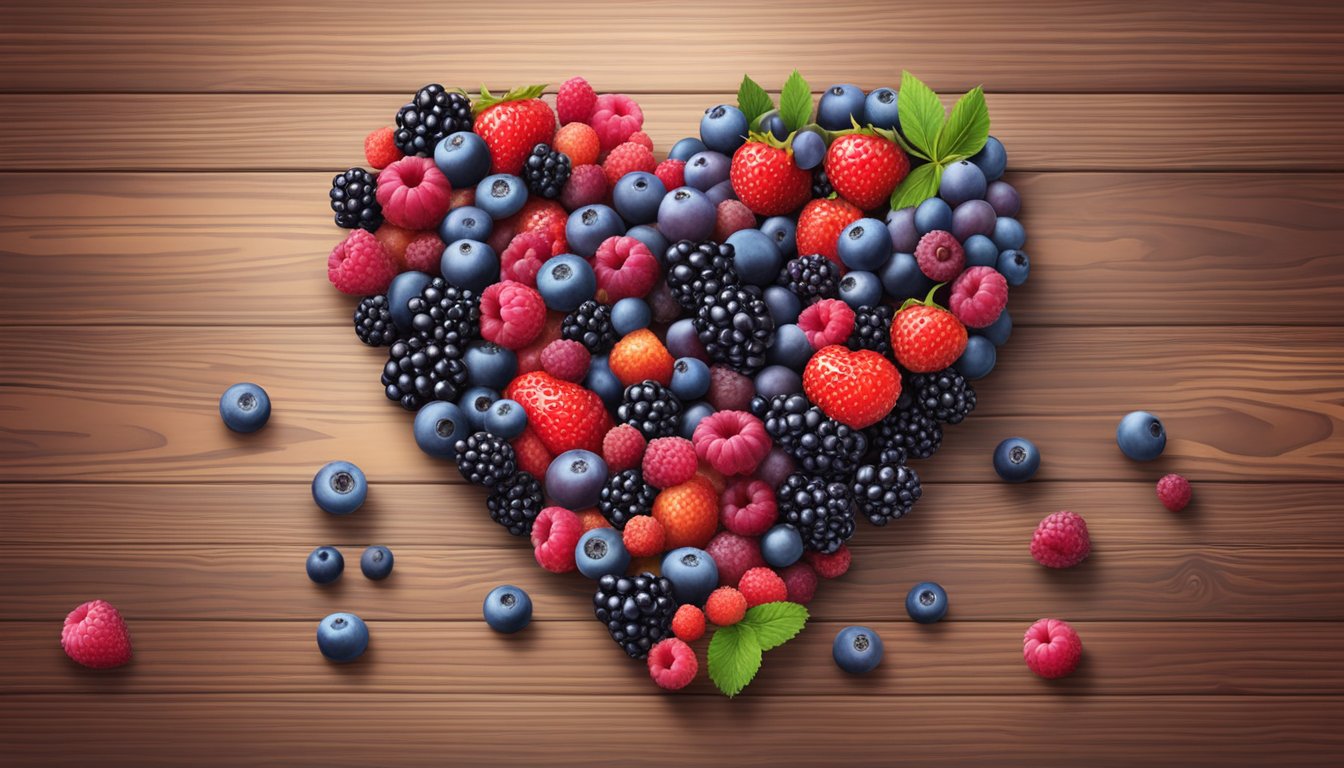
(732, 216)
(734, 555)
(531, 453)
(978, 296)
(574, 101)
(380, 149)
(424, 253)
(579, 142)
(396, 240)
(587, 185)
(360, 265)
(729, 390)
(940, 256)
(615, 118)
(1061, 540)
(641, 138)
(1052, 648)
(689, 512)
(672, 173)
(414, 193)
(627, 158)
(555, 534)
(566, 359)
(625, 268)
(732, 442)
(522, 259)
(762, 585)
(747, 507)
(668, 461)
(689, 623)
(829, 321)
(590, 519)
(801, 582)
(95, 635)
(643, 536)
(725, 606)
(512, 314)
(622, 448)
(640, 355)
(1174, 492)
(538, 215)
(831, 566)
(672, 664)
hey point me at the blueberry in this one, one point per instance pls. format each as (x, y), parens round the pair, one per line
(1016, 459)
(603, 382)
(507, 609)
(506, 418)
(475, 403)
(1141, 436)
(723, 128)
(790, 347)
(1009, 234)
(719, 193)
(466, 223)
(588, 226)
(686, 214)
(992, 159)
(464, 158)
(1003, 198)
(652, 238)
(339, 488)
(974, 217)
(901, 227)
(962, 181)
(376, 563)
(403, 288)
(637, 196)
(980, 251)
(902, 279)
(575, 479)
(1015, 266)
(245, 407)
(342, 637)
(783, 230)
(784, 305)
(782, 546)
(864, 244)
(705, 169)
(978, 359)
(998, 331)
(809, 149)
(469, 264)
(857, 650)
(934, 213)
(630, 314)
(600, 552)
(772, 123)
(438, 427)
(683, 341)
(684, 148)
(778, 380)
(880, 109)
(690, 378)
(501, 195)
(566, 281)
(861, 289)
(490, 365)
(693, 574)
(840, 107)
(926, 602)
(756, 257)
(691, 416)
(325, 565)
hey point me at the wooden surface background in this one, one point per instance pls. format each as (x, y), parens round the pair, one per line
(163, 230)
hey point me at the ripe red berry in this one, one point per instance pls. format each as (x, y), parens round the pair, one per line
(1061, 540)
(1051, 648)
(726, 606)
(1174, 492)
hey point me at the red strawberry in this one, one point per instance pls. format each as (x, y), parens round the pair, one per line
(563, 414)
(856, 388)
(864, 168)
(512, 125)
(820, 224)
(767, 180)
(926, 337)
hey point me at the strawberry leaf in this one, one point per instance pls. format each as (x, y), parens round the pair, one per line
(734, 658)
(795, 102)
(753, 100)
(921, 184)
(967, 127)
(921, 114)
(774, 624)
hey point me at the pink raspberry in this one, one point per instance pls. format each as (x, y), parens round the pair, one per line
(512, 314)
(734, 555)
(668, 461)
(95, 635)
(829, 321)
(831, 566)
(762, 585)
(1061, 540)
(625, 268)
(566, 359)
(729, 390)
(1174, 492)
(641, 138)
(360, 265)
(747, 507)
(521, 260)
(979, 296)
(940, 256)
(732, 442)
(732, 216)
(574, 101)
(672, 173)
(555, 535)
(587, 185)
(414, 193)
(1052, 648)
(623, 448)
(672, 664)
(615, 117)
(423, 253)
(627, 158)
(801, 582)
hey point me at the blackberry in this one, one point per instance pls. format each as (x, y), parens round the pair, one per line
(373, 321)
(944, 395)
(353, 200)
(546, 171)
(516, 502)
(735, 326)
(590, 325)
(821, 511)
(418, 371)
(695, 270)
(884, 492)
(905, 433)
(447, 315)
(872, 329)
(821, 445)
(433, 113)
(637, 610)
(624, 496)
(485, 459)
(651, 408)
(811, 278)
(821, 185)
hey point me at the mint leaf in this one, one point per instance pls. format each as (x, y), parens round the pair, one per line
(734, 658)
(753, 100)
(775, 623)
(921, 184)
(967, 127)
(921, 114)
(795, 102)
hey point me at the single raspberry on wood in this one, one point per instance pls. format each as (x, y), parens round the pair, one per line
(1052, 648)
(95, 636)
(1174, 492)
(1061, 540)
(672, 664)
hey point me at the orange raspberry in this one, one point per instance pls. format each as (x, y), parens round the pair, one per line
(591, 518)
(689, 623)
(643, 536)
(689, 513)
(639, 356)
(579, 141)
(725, 606)
(380, 149)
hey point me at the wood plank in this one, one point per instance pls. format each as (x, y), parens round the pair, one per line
(1056, 45)
(1109, 249)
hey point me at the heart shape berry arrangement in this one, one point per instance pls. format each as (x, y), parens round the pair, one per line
(685, 379)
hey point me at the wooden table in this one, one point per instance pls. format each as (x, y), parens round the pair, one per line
(163, 230)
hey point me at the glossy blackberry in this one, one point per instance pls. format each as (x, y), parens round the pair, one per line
(546, 171)
(516, 502)
(373, 321)
(485, 459)
(811, 278)
(821, 445)
(735, 326)
(624, 496)
(695, 270)
(590, 325)
(944, 395)
(418, 371)
(872, 329)
(821, 511)
(884, 492)
(821, 185)
(447, 315)
(651, 408)
(637, 610)
(432, 114)
(905, 433)
(353, 200)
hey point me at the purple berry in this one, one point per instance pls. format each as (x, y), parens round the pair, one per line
(686, 213)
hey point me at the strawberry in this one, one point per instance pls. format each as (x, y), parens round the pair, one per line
(856, 388)
(766, 179)
(820, 225)
(562, 414)
(864, 168)
(926, 337)
(512, 125)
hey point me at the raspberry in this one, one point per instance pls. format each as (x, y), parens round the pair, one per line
(590, 519)
(574, 101)
(538, 215)
(512, 314)
(829, 321)
(380, 149)
(1174, 492)
(531, 453)
(940, 256)
(747, 507)
(615, 117)
(734, 555)
(672, 173)
(729, 390)
(801, 582)
(529, 357)
(689, 623)
(627, 158)
(522, 259)
(978, 296)
(579, 142)
(587, 185)
(360, 265)
(555, 534)
(672, 664)
(565, 359)
(622, 448)
(625, 268)
(732, 216)
(95, 635)
(643, 536)
(762, 585)
(1061, 540)
(640, 356)
(423, 253)
(725, 606)
(641, 138)
(689, 513)
(1052, 648)
(414, 193)
(831, 566)
(668, 461)
(732, 442)
(396, 240)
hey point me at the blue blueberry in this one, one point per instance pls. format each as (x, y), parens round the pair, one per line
(782, 546)
(507, 609)
(342, 637)
(490, 365)
(630, 314)
(861, 289)
(880, 109)
(901, 227)
(588, 226)
(1015, 266)
(1003, 198)
(992, 159)
(469, 264)
(376, 562)
(603, 382)
(790, 347)
(772, 123)
(998, 331)
(601, 552)
(684, 148)
(686, 214)
(340, 488)
(637, 196)
(566, 281)
(1141, 436)
(784, 231)
(464, 159)
(932, 214)
(962, 181)
(653, 239)
(926, 603)
(784, 305)
(691, 416)
(475, 403)
(778, 380)
(1009, 234)
(403, 288)
(720, 192)
(864, 244)
(1016, 459)
(438, 427)
(690, 378)
(501, 195)
(723, 128)
(981, 251)
(705, 169)
(466, 223)
(693, 574)
(684, 341)
(974, 217)
(857, 650)
(809, 149)
(575, 479)
(840, 106)
(245, 407)
(756, 257)
(902, 279)
(325, 565)
(978, 359)
(506, 419)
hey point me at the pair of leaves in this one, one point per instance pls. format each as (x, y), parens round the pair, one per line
(933, 135)
(795, 102)
(735, 651)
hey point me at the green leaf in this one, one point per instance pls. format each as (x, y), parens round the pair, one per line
(753, 100)
(774, 624)
(921, 114)
(734, 658)
(522, 92)
(795, 102)
(967, 127)
(909, 150)
(921, 184)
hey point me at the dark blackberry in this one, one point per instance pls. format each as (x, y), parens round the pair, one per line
(590, 325)
(418, 371)
(446, 315)
(821, 511)
(872, 329)
(944, 395)
(905, 433)
(695, 270)
(820, 445)
(516, 502)
(651, 408)
(821, 185)
(624, 496)
(373, 321)
(353, 200)
(811, 278)
(433, 113)
(546, 171)
(735, 326)
(884, 492)
(637, 610)
(485, 459)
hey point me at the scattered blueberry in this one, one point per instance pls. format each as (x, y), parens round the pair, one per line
(490, 365)
(464, 159)
(438, 427)
(637, 196)
(998, 331)
(784, 305)
(1009, 234)
(978, 359)
(339, 488)
(376, 563)
(506, 419)
(992, 159)
(778, 380)
(926, 603)
(973, 217)
(575, 479)
(630, 314)
(934, 213)
(756, 257)
(809, 149)
(1015, 266)
(686, 214)
(962, 181)
(507, 609)
(981, 252)
(790, 347)
(566, 281)
(901, 227)
(880, 109)
(588, 226)
(857, 650)
(1003, 198)
(469, 264)
(723, 128)
(501, 195)
(466, 223)
(690, 378)
(840, 107)
(684, 148)
(864, 244)
(600, 552)
(603, 382)
(403, 288)
(860, 289)
(693, 574)
(342, 637)
(683, 341)
(782, 546)
(783, 230)
(691, 416)
(652, 238)
(705, 169)
(245, 407)
(475, 403)
(325, 565)
(1016, 459)
(1141, 436)
(902, 278)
